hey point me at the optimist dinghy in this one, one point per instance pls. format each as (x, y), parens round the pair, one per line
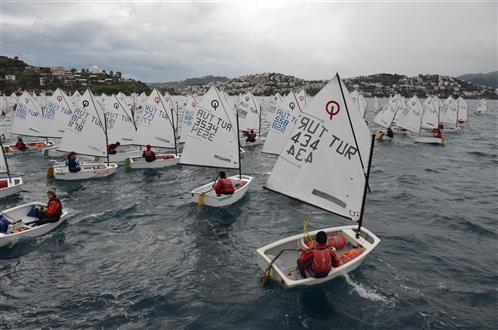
(8, 186)
(429, 121)
(482, 108)
(86, 134)
(327, 135)
(213, 141)
(21, 225)
(249, 114)
(28, 121)
(385, 118)
(156, 126)
(351, 254)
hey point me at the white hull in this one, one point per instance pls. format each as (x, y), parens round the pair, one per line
(13, 187)
(88, 171)
(244, 144)
(120, 157)
(451, 129)
(479, 112)
(32, 148)
(210, 198)
(160, 162)
(399, 130)
(20, 213)
(284, 268)
(429, 140)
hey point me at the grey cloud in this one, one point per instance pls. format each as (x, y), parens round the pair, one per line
(160, 42)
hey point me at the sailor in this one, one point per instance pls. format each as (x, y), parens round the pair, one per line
(20, 144)
(148, 154)
(52, 212)
(111, 148)
(319, 260)
(251, 136)
(390, 132)
(223, 186)
(73, 163)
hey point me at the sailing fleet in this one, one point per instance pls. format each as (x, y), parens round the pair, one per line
(308, 136)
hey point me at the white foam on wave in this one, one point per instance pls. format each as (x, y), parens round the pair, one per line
(364, 292)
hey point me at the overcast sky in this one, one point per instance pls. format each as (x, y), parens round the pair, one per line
(158, 41)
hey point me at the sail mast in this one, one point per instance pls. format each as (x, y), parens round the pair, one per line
(238, 142)
(360, 222)
(5, 160)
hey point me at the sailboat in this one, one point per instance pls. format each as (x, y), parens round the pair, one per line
(325, 163)
(462, 111)
(28, 122)
(281, 126)
(249, 113)
(55, 119)
(385, 118)
(302, 98)
(213, 141)
(8, 186)
(21, 224)
(448, 116)
(120, 127)
(187, 118)
(376, 104)
(429, 122)
(85, 134)
(482, 108)
(156, 127)
(359, 102)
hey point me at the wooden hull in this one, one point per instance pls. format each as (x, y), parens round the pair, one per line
(210, 198)
(20, 213)
(161, 161)
(283, 269)
(32, 147)
(88, 171)
(13, 187)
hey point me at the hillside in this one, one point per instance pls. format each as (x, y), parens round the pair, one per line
(485, 79)
(380, 85)
(16, 74)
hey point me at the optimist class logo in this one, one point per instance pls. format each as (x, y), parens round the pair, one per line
(59, 98)
(332, 108)
(156, 99)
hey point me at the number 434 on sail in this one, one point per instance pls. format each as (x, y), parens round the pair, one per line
(303, 147)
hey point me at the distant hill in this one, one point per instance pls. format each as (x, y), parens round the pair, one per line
(485, 79)
(189, 82)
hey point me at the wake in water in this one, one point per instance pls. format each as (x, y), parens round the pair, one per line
(363, 291)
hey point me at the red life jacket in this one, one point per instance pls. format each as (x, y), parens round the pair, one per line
(224, 187)
(322, 262)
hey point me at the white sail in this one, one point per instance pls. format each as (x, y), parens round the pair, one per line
(376, 104)
(56, 115)
(409, 118)
(448, 112)
(386, 116)
(430, 116)
(320, 163)
(213, 139)
(302, 98)
(119, 123)
(154, 123)
(248, 109)
(483, 107)
(359, 102)
(75, 98)
(188, 112)
(170, 105)
(85, 132)
(281, 126)
(462, 110)
(28, 118)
